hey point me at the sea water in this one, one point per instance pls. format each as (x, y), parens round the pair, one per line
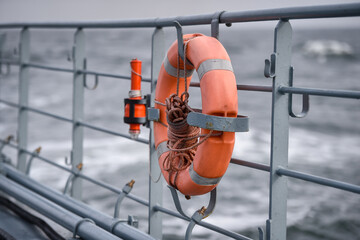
(325, 143)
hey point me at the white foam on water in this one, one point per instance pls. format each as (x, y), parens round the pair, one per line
(314, 147)
(253, 145)
(43, 101)
(322, 49)
(327, 48)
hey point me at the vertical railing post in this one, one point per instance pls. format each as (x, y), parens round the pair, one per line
(78, 110)
(155, 179)
(279, 132)
(24, 49)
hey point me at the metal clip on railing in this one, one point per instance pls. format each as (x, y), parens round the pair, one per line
(198, 215)
(305, 99)
(132, 220)
(73, 175)
(215, 24)
(78, 225)
(269, 70)
(180, 39)
(96, 83)
(36, 152)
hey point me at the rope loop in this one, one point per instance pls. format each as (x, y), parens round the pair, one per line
(183, 139)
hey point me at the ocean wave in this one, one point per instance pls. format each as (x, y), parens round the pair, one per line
(327, 48)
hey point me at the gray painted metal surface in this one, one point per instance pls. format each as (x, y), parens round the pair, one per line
(319, 180)
(102, 220)
(225, 124)
(155, 178)
(279, 133)
(78, 111)
(60, 215)
(324, 11)
(321, 92)
(23, 97)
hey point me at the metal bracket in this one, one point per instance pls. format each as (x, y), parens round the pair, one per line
(78, 225)
(35, 153)
(125, 191)
(195, 218)
(225, 124)
(132, 220)
(215, 24)
(198, 215)
(73, 175)
(153, 114)
(270, 66)
(96, 83)
(305, 99)
(180, 39)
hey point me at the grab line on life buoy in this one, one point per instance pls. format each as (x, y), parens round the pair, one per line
(219, 97)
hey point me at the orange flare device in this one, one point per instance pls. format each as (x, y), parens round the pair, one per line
(135, 105)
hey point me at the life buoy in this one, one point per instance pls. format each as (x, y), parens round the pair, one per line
(219, 98)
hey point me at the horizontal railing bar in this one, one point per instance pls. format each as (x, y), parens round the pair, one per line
(254, 88)
(321, 92)
(142, 140)
(97, 182)
(9, 61)
(35, 155)
(243, 87)
(203, 224)
(70, 70)
(36, 111)
(39, 66)
(319, 180)
(110, 75)
(71, 121)
(113, 189)
(307, 12)
(170, 212)
(254, 165)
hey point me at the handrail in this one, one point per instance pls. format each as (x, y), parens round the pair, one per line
(31, 109)
(68, 70)
(320, 11)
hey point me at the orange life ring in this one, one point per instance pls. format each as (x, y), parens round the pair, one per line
(219, 98)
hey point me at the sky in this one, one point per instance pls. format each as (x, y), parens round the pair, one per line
(75, 10)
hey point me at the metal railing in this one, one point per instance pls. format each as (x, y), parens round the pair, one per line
(278, 68)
